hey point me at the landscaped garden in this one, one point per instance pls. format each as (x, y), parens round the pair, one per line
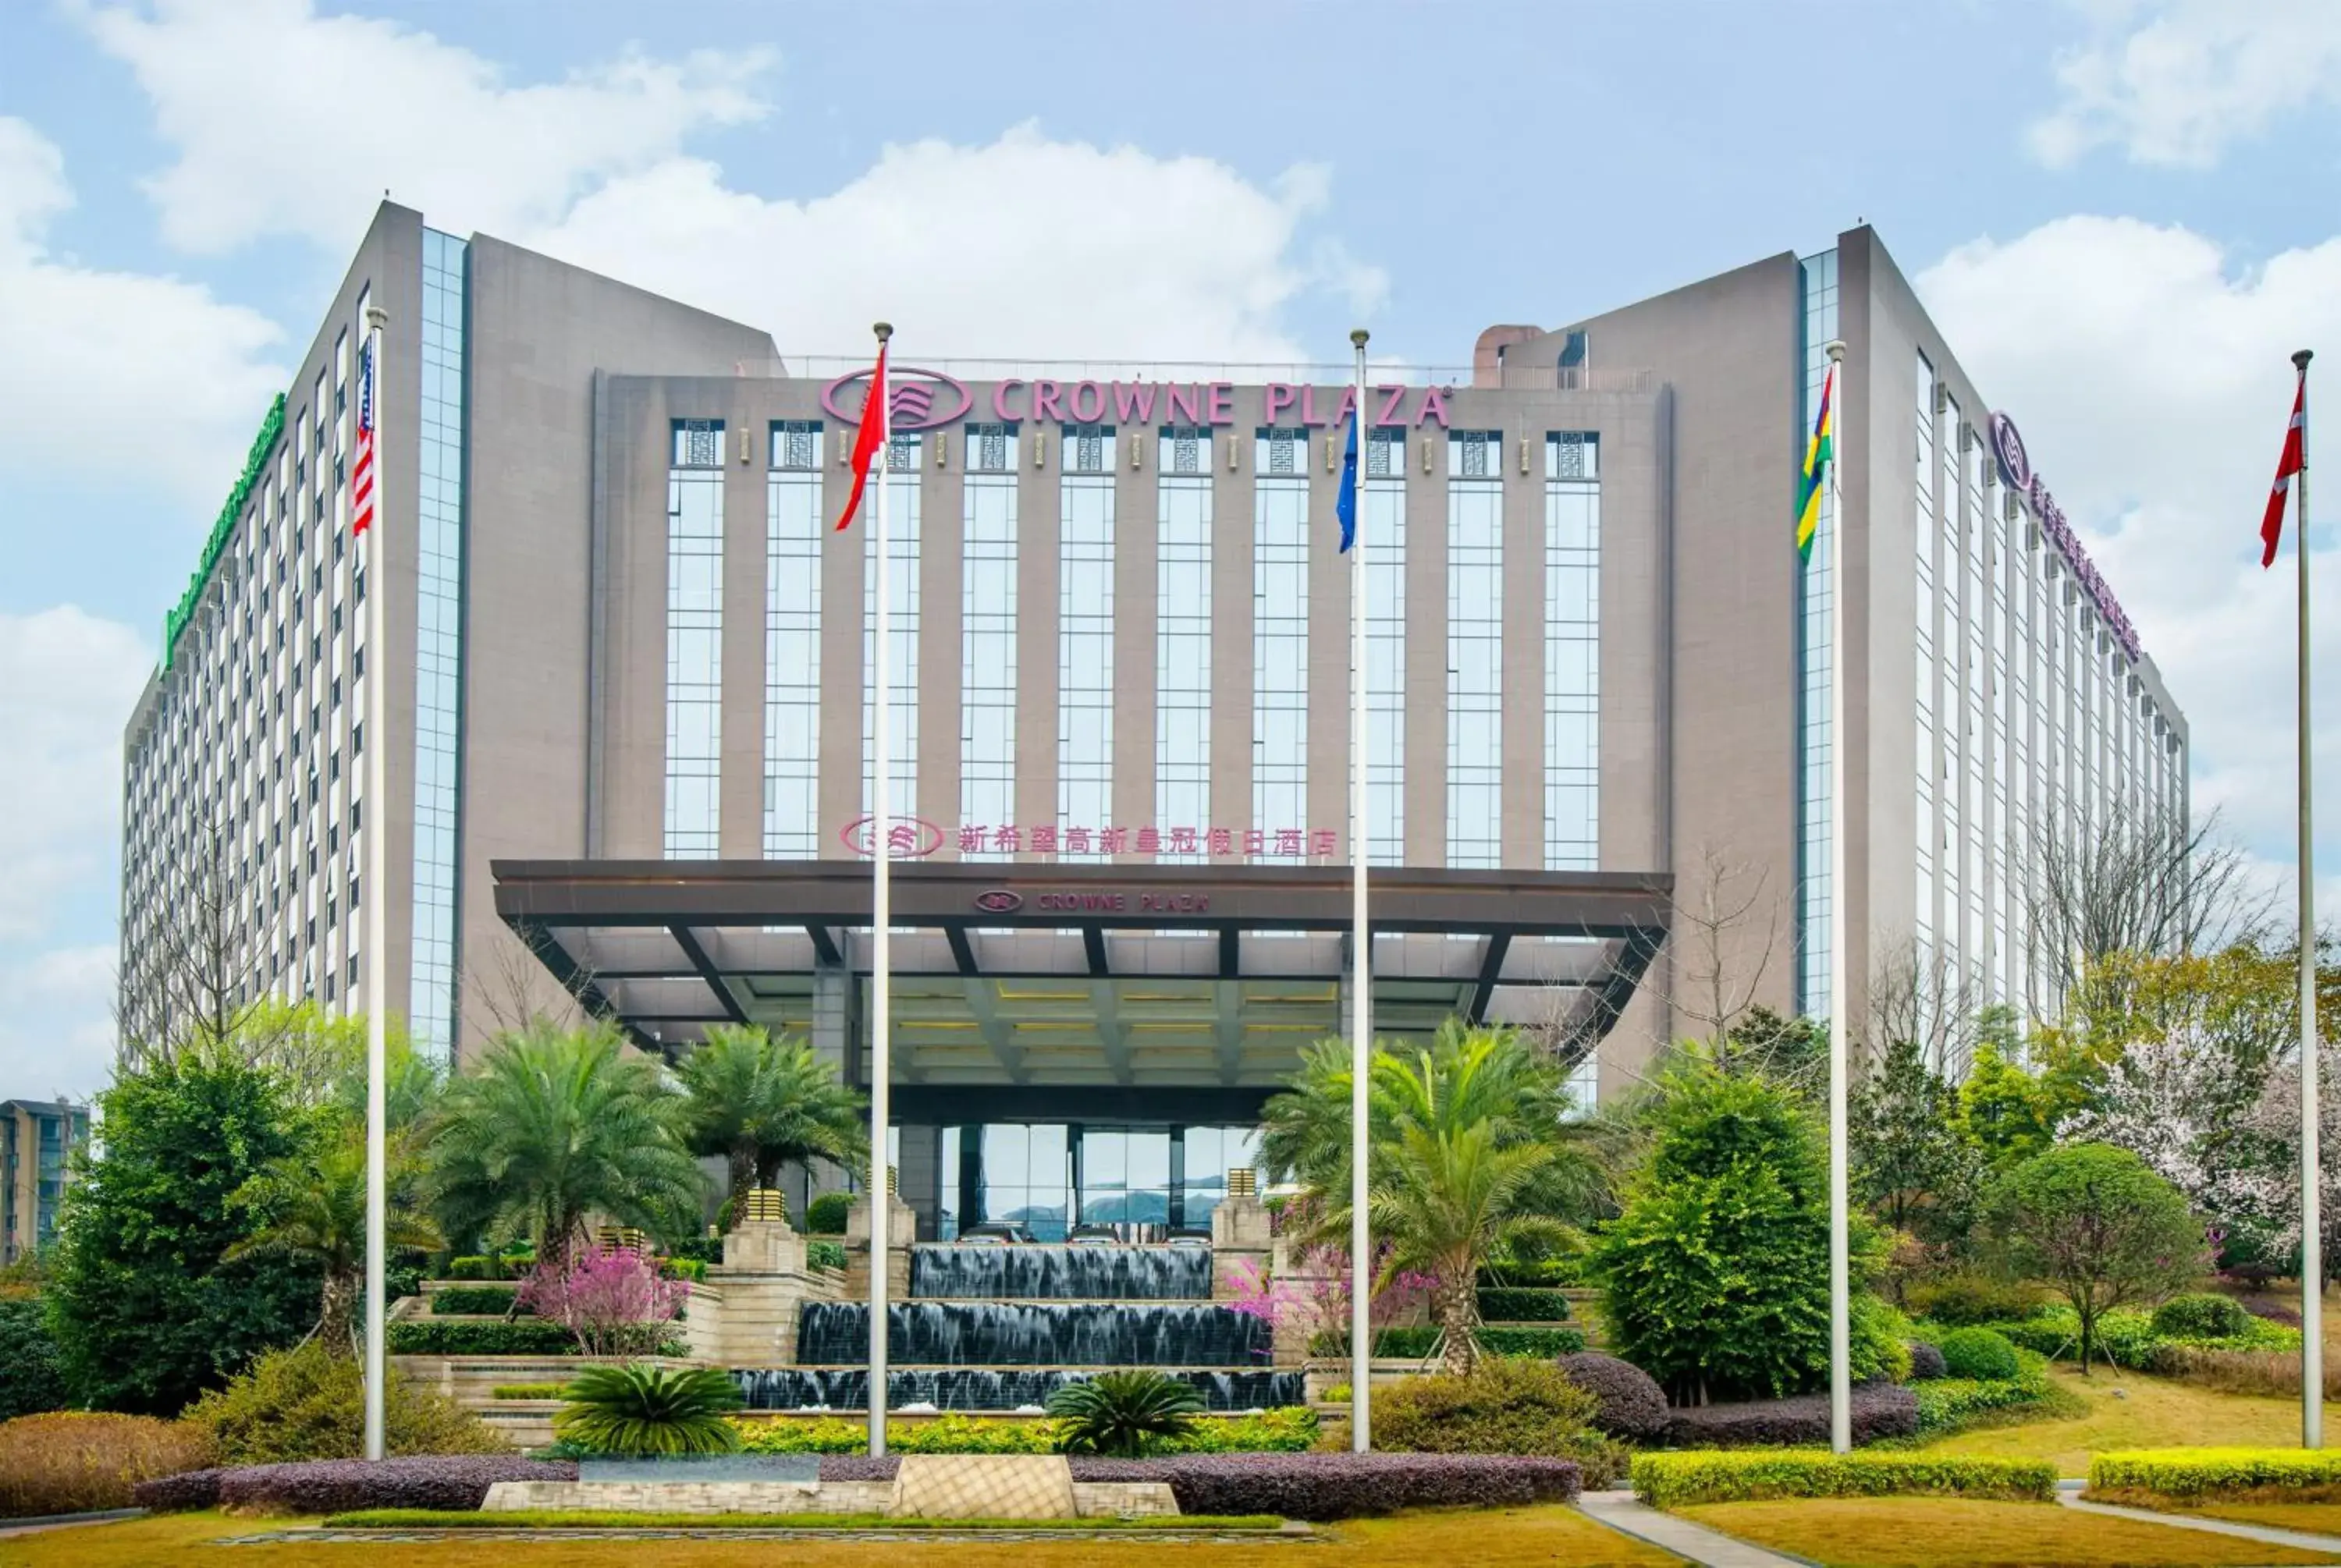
(2069, 1252)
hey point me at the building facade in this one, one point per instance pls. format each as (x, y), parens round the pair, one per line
(628, 657)
(37, 1142)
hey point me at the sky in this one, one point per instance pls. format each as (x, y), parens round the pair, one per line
(2121, 212)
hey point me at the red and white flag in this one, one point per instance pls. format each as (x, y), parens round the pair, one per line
(362, 462)
(866, 437)
(2295, 459)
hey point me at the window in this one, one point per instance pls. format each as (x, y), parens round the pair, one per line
(1572, 650)
(988, 639)
(695, 639)
(794, 527)
(1280, 633)
(1474, 648)
(438, 648)
(1182, 641)
(1085, 630)
(1814, 657)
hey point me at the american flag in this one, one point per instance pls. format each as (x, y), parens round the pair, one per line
(362, 467)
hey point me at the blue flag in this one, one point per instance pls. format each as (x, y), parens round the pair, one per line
(1345, 506)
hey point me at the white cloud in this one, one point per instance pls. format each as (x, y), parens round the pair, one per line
(2151, 380)
(67, 682)
(1027, 246)
(287, 122)
(57, 1037)
(110, 365)
(2173, 83)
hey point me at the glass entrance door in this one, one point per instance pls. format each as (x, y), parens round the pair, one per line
(1123, 1176)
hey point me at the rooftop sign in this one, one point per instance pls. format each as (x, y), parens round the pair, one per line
(2016, 471)
(924, 400)
(224, 526)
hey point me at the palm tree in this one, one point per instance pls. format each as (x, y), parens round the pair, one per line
(1467, 1154)
(762, 1102)
(316, 1205)
(555, 1126)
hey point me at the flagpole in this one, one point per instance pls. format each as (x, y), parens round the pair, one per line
(377, 943)
(1362, 952)
(882, 911)
(2312, 1238)
(1840, 896)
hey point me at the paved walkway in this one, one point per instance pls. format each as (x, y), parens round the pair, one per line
(1709, 1548)
(2265, 1534)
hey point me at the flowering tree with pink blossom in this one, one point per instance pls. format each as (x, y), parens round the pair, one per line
(614, 1302)
(1315, 1297)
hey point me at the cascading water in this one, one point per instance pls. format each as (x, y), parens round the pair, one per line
(1035, 1333)
(986, 1388)
(1062, 1273)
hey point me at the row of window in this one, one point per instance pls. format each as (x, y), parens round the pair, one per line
(1087, 534)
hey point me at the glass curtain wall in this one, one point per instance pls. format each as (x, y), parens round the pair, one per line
(1474, 648)
(1816, 665)
(1382, 530)
(695, 637)
(1279, 637)
(1085, 636)
(1572, 650)
(793, 529)
(438, 643)
(1182, 640)
(904, 455)
(988, 638)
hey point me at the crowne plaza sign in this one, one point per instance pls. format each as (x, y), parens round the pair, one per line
(929, 400)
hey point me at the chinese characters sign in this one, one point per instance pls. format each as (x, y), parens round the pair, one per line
(915, 839)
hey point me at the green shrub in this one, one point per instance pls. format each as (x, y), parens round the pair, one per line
(820, 1434)
(304, 1403)
(1123, 1414)
(643, 1411)
(690, 1269)
(73, 1462)
(1291, 1430)
(2205, 1475)
(526, 1336)
(1543, 1344)
(527, 1390)
(2204, 1314)
(955, 1432)
(826, 1255)
(1981, 1354)
(2128, 1339)
(825, 1215)
(29, 1380)
(1519, 1303)
(1965, 1300)
(1503, 1408)
(1750, 1475)
(1945, 1403)
(473, 1268)
(474, 1301)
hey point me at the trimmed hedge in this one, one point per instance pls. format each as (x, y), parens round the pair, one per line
(528, 1390)
(825, 1215)
(1981, 1354)
(1416, 1342)
(1329, 1486)
(339, 1486)
(478, 1337)
(74, 1460)
(825, 1253)
(2202, 1475)
(1521, 1304)
(475, 1301)
(1679, 1480)
(1926, 1362)
(1290, 1429)
(511, 1267)
(1947, 1401)
(2128, 1339)
(1633, 1407)
(1879, 1410)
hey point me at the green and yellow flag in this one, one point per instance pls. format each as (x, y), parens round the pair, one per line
(1818, 452)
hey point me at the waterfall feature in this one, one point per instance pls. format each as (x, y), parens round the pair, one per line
(1024, 1333)
(986, 1388)
(1062, 1273)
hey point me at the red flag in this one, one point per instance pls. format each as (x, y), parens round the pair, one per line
(866, 437)
(2295, 459)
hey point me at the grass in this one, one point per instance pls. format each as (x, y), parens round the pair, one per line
(598, 1519)
(1548, 1536)
(2153, 1413)
(1955, 1532)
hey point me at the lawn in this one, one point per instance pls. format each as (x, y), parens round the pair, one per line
(2151, 1412)
(1542, 1537)
(1953, 1532)
(2316, 1518)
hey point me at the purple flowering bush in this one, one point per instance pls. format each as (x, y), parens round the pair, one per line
(455, 1482)
(1329, 1486)
(1879, 1410)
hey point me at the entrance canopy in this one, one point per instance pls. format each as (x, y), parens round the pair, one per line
(1120, 977)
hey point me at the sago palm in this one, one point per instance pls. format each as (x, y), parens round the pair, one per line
(1122, 1414)
(313, 1205)
(555, 1126)
(649, 1411)
(762, 1102)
